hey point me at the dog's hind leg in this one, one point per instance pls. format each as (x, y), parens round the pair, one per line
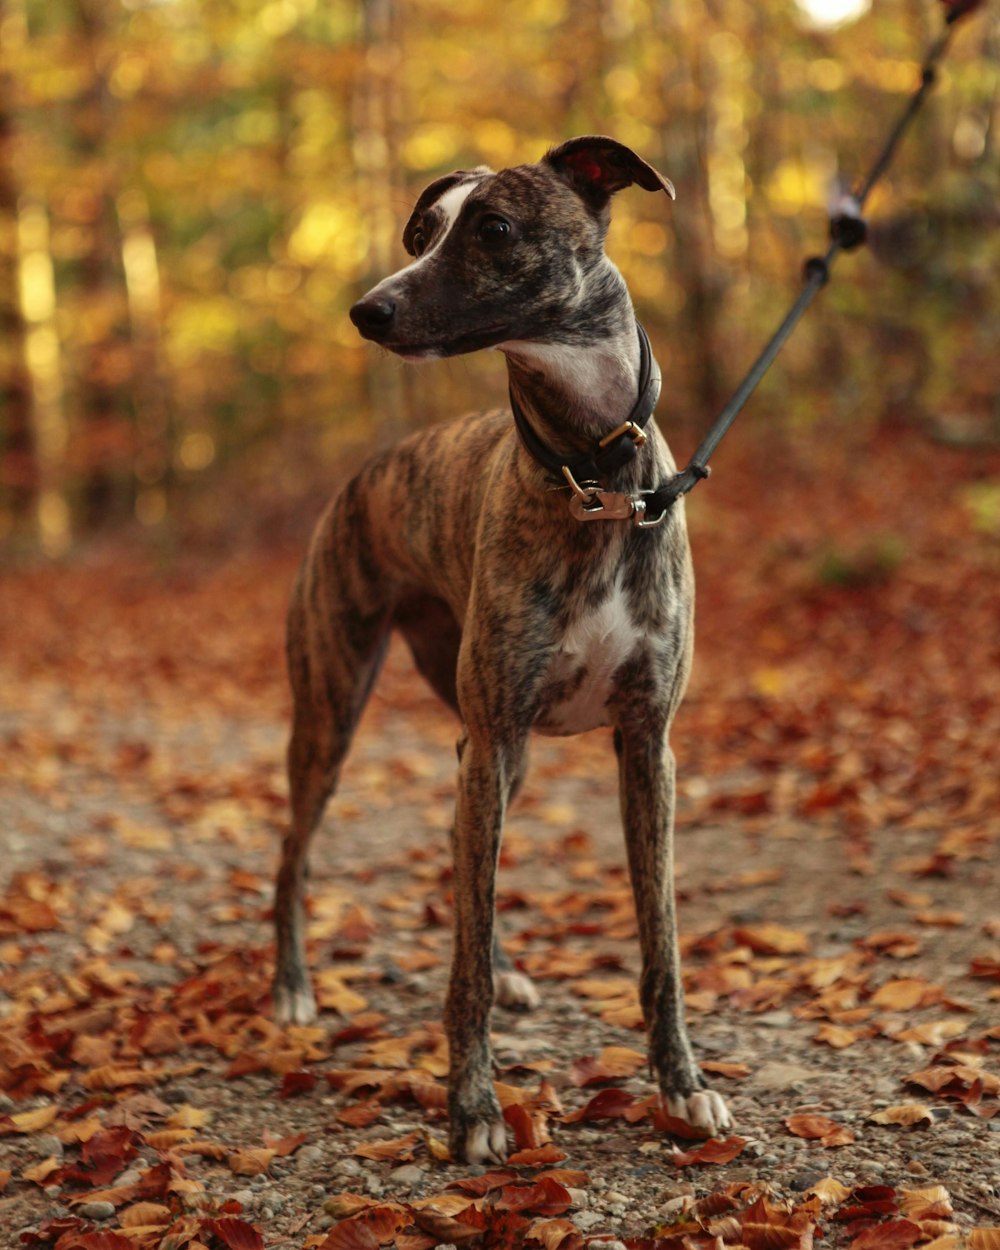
(337, 635)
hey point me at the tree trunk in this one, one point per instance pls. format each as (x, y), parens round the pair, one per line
(18, 461)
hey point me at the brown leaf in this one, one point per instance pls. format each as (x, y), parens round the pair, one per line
(401, 1148)
(537, 1157)
(902, 994)
(552, 1233)
(713, 1151)
(612, 1063)
(144, 1213)
(904, 1113)
(609, 1104)
(251, 1162)
(891, 1235)
(772, 939)
(830, 1191)
(28, 1121)
(234, 1234)
(819, 1128)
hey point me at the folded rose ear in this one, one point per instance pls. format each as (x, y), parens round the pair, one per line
(596, 167)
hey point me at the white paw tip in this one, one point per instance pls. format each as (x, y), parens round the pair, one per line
(486, 1143)
(294, 1006)
(514, 989)
(703, 1109)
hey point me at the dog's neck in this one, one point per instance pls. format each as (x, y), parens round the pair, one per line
(581, 385)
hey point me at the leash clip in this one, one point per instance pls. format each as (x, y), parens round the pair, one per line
(590, 503)
(603, 505)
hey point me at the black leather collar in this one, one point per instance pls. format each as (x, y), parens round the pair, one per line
(596, 465)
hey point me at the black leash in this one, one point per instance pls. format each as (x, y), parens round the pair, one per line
(848, 231)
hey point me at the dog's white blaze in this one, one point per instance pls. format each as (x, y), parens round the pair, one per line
(451, 205)
(600, 640)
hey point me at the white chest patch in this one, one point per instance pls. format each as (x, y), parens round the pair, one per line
(597, 643)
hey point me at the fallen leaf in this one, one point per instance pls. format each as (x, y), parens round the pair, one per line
(892, 1235)
(609, 1104)
(28, 1121)
(819, 1128)
(772, 939)
(713, 1151)
(402, 1148)
(234, 1234)
(250, 1162)
(904, 1113)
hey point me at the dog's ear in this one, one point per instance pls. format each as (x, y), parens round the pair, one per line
(596, 167)
(430, 195)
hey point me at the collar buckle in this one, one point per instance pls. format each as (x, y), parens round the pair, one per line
(635, 432)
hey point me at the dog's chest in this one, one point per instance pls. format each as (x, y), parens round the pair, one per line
(599, 638)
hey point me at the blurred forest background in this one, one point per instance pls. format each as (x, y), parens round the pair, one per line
(193, 192)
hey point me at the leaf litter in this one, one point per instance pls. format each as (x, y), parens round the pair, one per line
(837, 852)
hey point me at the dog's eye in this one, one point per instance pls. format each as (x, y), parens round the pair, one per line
(418, 240)
(494, 231)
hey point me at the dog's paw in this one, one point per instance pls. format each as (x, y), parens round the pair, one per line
(514, 990)
(704, 1109)
(294, 1006)
(480, 1141)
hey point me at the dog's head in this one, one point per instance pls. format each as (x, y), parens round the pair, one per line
(513, 255)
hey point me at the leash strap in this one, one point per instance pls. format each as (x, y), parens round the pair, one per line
(612, 452)
(848, 230)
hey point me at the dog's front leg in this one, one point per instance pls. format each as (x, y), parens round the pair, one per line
(477, 1128)
(646, 776)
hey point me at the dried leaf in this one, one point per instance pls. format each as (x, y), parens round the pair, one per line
(251, 1162)
(713, 1151)
(234, 1234)
(402, 1148)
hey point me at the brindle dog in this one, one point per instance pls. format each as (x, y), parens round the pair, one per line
(521, 612)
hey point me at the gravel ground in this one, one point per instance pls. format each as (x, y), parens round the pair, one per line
(175, 820)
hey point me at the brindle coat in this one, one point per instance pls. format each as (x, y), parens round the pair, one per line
(520, 616)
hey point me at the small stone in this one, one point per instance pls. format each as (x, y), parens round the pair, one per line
(96, 1210)
(669, 1212)
(244, 1197)
(374, 1186)
(805, 1180)
(775, 1019)
(768, 1161)
(916, 1168)
(307, 1156)
(613, 1196)
(578, 1197)
(323, 1222)
(176, 1094)
(317, 1191)
(265, 1213)
(587, 1219)
(348, 1167)
(409, 1175)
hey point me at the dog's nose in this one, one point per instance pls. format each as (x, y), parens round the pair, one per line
(373, 315)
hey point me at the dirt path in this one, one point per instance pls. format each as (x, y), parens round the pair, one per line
(837, 968)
